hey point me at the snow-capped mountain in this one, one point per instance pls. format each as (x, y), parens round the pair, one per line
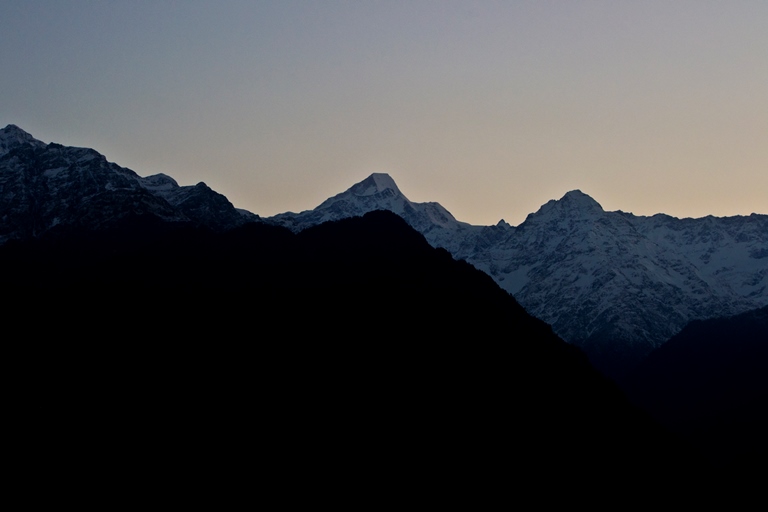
(376, 192)
(603, 277)
(47, 185)
(616, 284)
(379, 192)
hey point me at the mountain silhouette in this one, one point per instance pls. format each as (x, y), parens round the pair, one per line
(353, 344)
(709, 383)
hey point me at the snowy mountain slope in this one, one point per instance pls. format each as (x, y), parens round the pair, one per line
(599, 277)
(614, 283)
(379, 192)
(12, 136)
(47, 185)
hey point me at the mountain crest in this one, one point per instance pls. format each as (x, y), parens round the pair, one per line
(379, 192)
(574, 204)
(159, 182)
(46, 188)
(576, 199)
(12, 136)
(375, 184)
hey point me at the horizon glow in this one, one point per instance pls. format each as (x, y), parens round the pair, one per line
(489, 108)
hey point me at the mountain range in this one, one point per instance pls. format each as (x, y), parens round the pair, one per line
(616, 284)
(45, 187)
(613, 283)
(154, 322)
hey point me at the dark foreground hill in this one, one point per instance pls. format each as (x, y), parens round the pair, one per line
(709, 383)
(352, 356)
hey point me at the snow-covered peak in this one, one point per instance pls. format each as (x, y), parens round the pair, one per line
(578, 200)
(379, 192)
(12, 136)
(577, 195)
(57, 185)
(574, 204)
(375, 184)
(159, 182)
(13, 131)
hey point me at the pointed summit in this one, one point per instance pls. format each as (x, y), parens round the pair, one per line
(15, 131)
(573, 204)
(374, 184)
(378, 192)
(580, 200)
(12, 136)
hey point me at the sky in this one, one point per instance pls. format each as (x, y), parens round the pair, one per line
(490, 108)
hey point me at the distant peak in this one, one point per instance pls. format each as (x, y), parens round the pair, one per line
(13, 129)
(159, 182)
(575, 193)
(12, 136)
(374, 184)
(580, 199)
(573, 204)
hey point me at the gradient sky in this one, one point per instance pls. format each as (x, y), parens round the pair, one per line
(490, 108)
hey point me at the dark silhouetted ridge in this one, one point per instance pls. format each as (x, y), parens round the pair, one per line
(352, 352)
